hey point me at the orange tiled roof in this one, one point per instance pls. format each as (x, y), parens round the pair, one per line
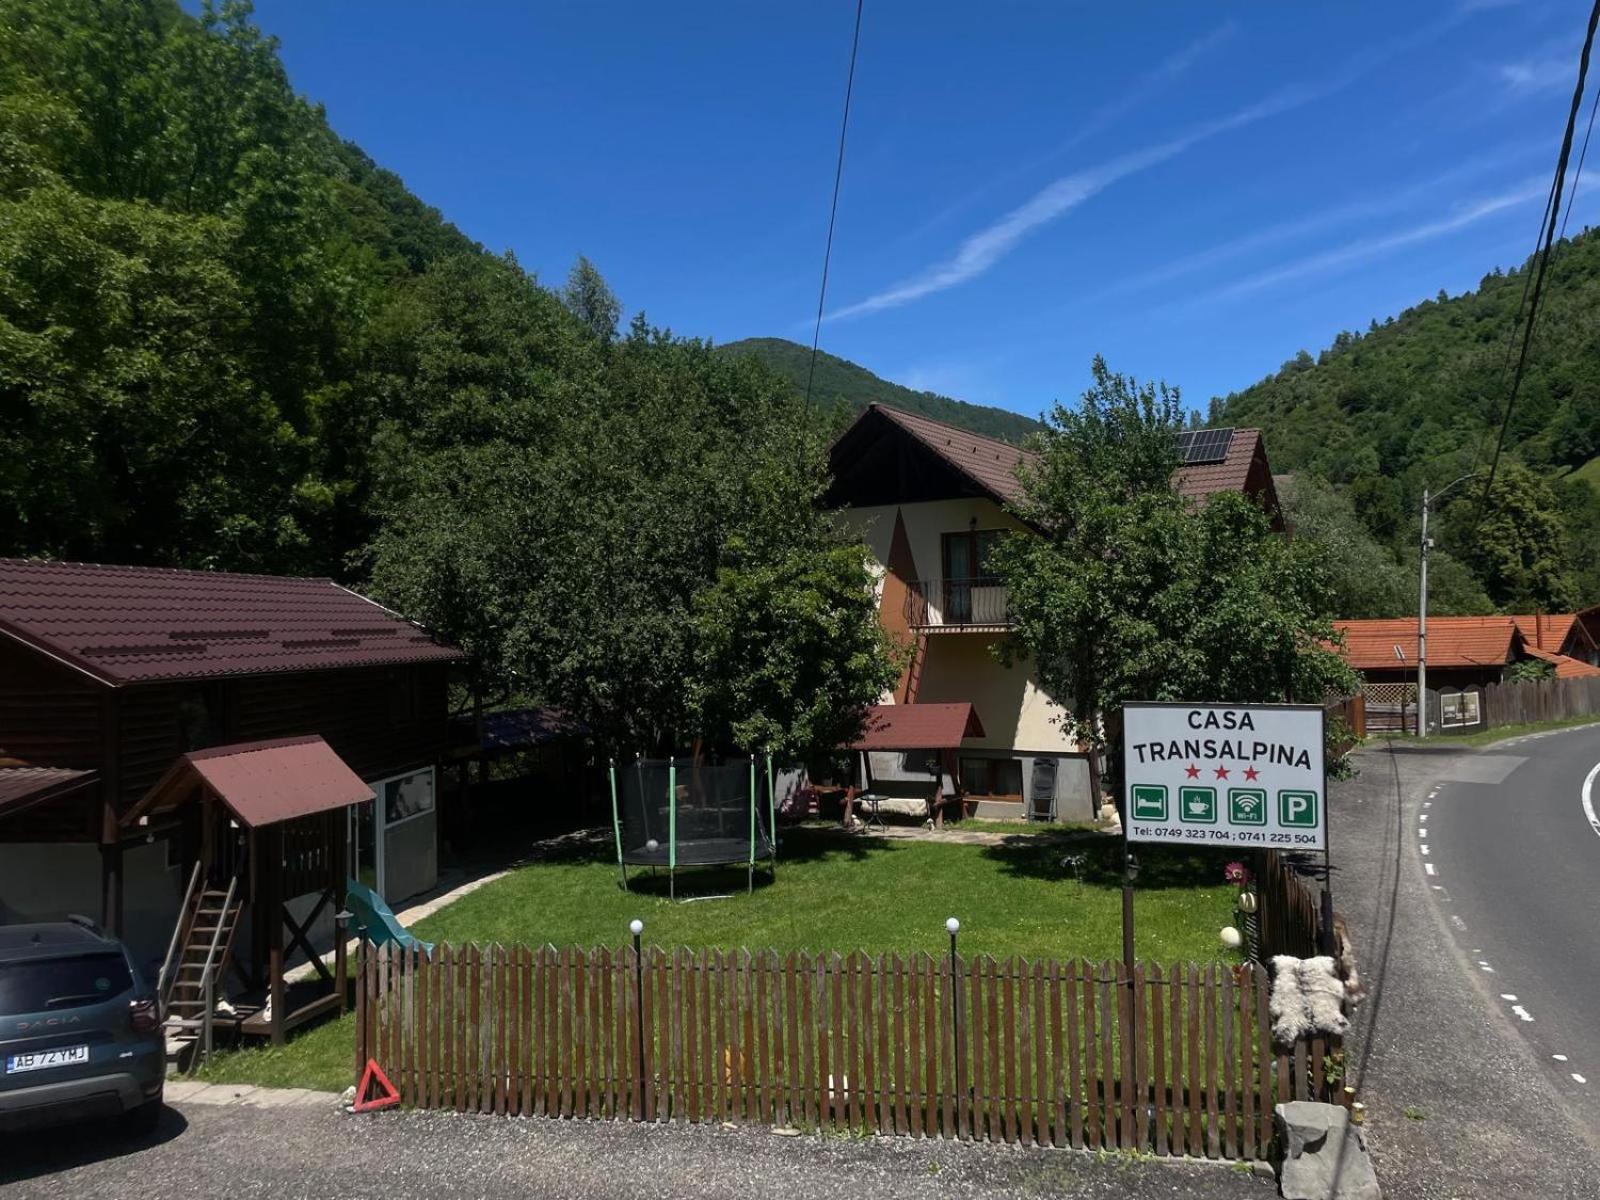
(1452, 642)
(1566, 666)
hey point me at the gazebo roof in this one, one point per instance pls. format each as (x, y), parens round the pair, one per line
(918, 727)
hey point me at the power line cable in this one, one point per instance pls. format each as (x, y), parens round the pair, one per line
(833, 210)
(1577, 173)
(1552, 213)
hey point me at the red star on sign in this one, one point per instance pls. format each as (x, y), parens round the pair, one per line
(1250, 773)
(1193, 772)
(1222, 772)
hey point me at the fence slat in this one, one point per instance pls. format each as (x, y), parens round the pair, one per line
(1040, 1036)
(761, 1064)
(817, 1021)
(1141, 1057)
(1159, 996)
(1213, 1114)
(1263, 1061)
(1127, 1137)
(1247, 1081)
(1225, 1010)
(1008, 1040)
(1193, 1002)
(945, 1078)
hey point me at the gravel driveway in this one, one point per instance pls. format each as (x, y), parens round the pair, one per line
(239, 1152)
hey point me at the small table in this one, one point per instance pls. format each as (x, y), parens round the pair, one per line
(873, 817)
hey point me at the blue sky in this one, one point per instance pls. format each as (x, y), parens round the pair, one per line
(1196, 191)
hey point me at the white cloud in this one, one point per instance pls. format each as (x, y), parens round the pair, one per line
(983, 249)
(1364, 249)
(1139, 92)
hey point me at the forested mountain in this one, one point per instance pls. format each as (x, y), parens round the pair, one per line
(230, 340)
(846, 388)
(1416, 401)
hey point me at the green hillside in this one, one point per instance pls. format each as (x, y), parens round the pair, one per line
(842, 384)
(1415, 401)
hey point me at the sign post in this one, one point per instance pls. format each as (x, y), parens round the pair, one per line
(1246, 775)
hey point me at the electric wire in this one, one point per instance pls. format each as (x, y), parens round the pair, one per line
(1549, 225)
(833, 209)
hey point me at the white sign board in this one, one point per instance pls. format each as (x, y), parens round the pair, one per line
(1225, 775)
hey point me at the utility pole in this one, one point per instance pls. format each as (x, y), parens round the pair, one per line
(1422, 629)
(1422, 606)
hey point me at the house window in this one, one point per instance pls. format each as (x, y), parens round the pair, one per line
(406, 797)
(969, 576)
(992, 777)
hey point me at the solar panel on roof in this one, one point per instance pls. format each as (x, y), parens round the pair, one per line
(1198, 446)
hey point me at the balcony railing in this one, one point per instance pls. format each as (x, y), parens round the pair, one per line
(955, 603)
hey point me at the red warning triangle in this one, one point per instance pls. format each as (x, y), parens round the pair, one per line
(389, 1098)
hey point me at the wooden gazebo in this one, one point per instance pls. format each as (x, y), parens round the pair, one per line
(940, 728)
(263, 823)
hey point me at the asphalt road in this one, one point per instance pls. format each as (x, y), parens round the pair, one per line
(1517, 865)
(241, 1153)
(1463, 1100)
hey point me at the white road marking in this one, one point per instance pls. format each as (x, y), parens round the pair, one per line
(1559, 1057)
(1576, 1078)
(1588, 799)
(1486, 967)
(1511, 997)
(1423, 832)
(1458, 922)
(1424, 816)
(1424, 847)
(1428, 867)
(1521, 1012)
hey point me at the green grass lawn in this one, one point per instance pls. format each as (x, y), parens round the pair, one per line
(832, 892)
(1489, 737)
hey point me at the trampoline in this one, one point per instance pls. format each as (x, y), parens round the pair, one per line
(669, 813)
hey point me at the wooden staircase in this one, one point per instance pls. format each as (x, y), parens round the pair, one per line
(197, 961)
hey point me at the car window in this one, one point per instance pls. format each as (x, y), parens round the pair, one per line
(53, 984)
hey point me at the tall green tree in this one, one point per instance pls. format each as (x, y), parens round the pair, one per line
(589, 298)
(1125, 590)
(1515, 540)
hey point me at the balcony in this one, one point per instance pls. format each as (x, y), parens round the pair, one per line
(954, 604)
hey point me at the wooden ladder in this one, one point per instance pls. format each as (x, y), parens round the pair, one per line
(201, 949)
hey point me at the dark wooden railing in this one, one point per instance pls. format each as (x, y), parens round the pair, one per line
(946, 603)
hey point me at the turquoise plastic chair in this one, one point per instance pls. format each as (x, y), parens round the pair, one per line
(381, 925)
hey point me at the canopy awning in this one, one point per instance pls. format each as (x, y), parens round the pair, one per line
(22, 787)
(260, 783)
(918, 727)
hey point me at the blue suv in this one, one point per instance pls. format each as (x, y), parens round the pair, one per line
(80, 1032)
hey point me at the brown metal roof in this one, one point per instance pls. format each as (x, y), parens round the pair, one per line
(262, 783)
(918, 727)
(138, 624)
(23, 787)
(992, 464)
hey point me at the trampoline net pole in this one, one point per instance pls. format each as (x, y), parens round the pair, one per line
(752, 810)
(616, 823)
(672, 815)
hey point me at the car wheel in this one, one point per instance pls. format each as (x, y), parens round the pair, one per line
(142, 1121)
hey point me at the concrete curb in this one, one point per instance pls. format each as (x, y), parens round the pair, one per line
(247, 1096)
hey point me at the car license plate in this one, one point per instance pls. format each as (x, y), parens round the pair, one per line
(42, 1060)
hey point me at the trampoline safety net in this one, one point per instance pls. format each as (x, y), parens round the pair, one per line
(680, 812)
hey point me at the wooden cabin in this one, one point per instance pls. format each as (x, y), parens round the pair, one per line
(114, 680)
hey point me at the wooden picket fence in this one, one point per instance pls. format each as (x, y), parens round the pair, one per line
(1290, 913)
(1173, 1060)
(1524, 703)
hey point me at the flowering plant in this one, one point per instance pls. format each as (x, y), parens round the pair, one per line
(1237, 874)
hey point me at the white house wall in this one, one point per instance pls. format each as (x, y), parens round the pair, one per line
(925, 523)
